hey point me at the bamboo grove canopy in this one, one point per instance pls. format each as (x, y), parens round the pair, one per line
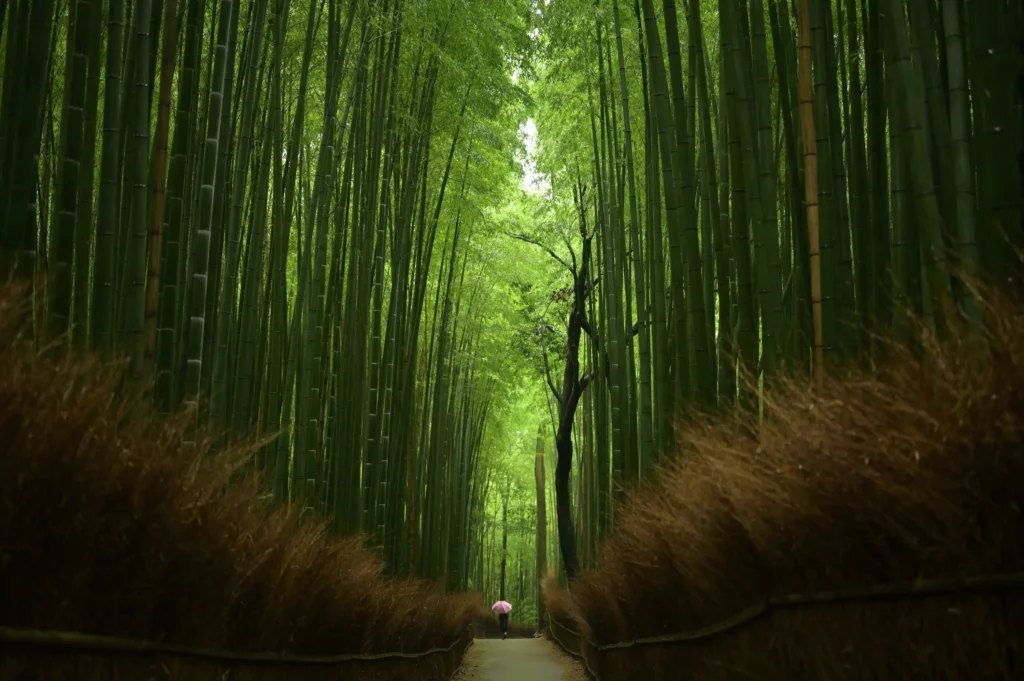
(297, 217)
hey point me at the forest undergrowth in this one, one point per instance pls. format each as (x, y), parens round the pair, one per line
(909, 472)
(107, 527)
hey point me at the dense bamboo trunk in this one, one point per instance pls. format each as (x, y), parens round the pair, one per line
(159, 187)
(811, 180)
(542, 524)
(261, 245)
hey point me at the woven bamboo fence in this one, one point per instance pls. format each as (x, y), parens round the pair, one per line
(27, 655)
(969, 629)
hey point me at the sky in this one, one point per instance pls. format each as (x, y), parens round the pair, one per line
(533, 181)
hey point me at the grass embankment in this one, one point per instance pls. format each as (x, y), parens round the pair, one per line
(107, 527)
(912, 471)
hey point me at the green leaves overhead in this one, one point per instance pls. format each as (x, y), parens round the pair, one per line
(346, 256)
(684, 119)
(319, 266)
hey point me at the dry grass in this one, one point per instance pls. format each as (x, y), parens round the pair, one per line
(107, 527)
(915, 470)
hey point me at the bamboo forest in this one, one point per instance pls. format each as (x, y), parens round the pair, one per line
(349, 318)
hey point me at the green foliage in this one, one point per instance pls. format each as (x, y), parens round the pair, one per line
(349, 256)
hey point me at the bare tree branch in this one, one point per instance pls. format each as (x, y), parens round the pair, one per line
(523, 237)
(547, 366)
(585, 325)
(544, 326)
(572, 254)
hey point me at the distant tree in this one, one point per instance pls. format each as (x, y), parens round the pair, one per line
(573, 384)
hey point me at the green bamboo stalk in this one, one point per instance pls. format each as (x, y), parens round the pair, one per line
(68, 181)
(199, 266)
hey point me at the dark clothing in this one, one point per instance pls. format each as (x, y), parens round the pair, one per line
(503, 622)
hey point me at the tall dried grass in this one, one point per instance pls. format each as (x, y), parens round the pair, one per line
(914, 470)
(107, 527)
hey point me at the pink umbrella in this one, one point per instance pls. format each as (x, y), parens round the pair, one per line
(501, 607)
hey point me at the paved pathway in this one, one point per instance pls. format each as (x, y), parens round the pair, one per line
(518, 659)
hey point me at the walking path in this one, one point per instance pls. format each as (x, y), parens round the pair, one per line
(518, 659)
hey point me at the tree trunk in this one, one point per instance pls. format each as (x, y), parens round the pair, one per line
(504, 546)
(572, 391)
(810, 179)
(572, 388)
(542, 525)
(563, 500)
(159, 186)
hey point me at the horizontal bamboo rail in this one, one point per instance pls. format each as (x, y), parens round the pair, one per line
(91, 643)
(585, 648)
(87, 657)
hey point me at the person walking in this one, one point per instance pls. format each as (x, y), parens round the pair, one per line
(503, 623)
(502, 608)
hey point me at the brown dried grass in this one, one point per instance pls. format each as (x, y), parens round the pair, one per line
(914, 470)
(107, 527)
